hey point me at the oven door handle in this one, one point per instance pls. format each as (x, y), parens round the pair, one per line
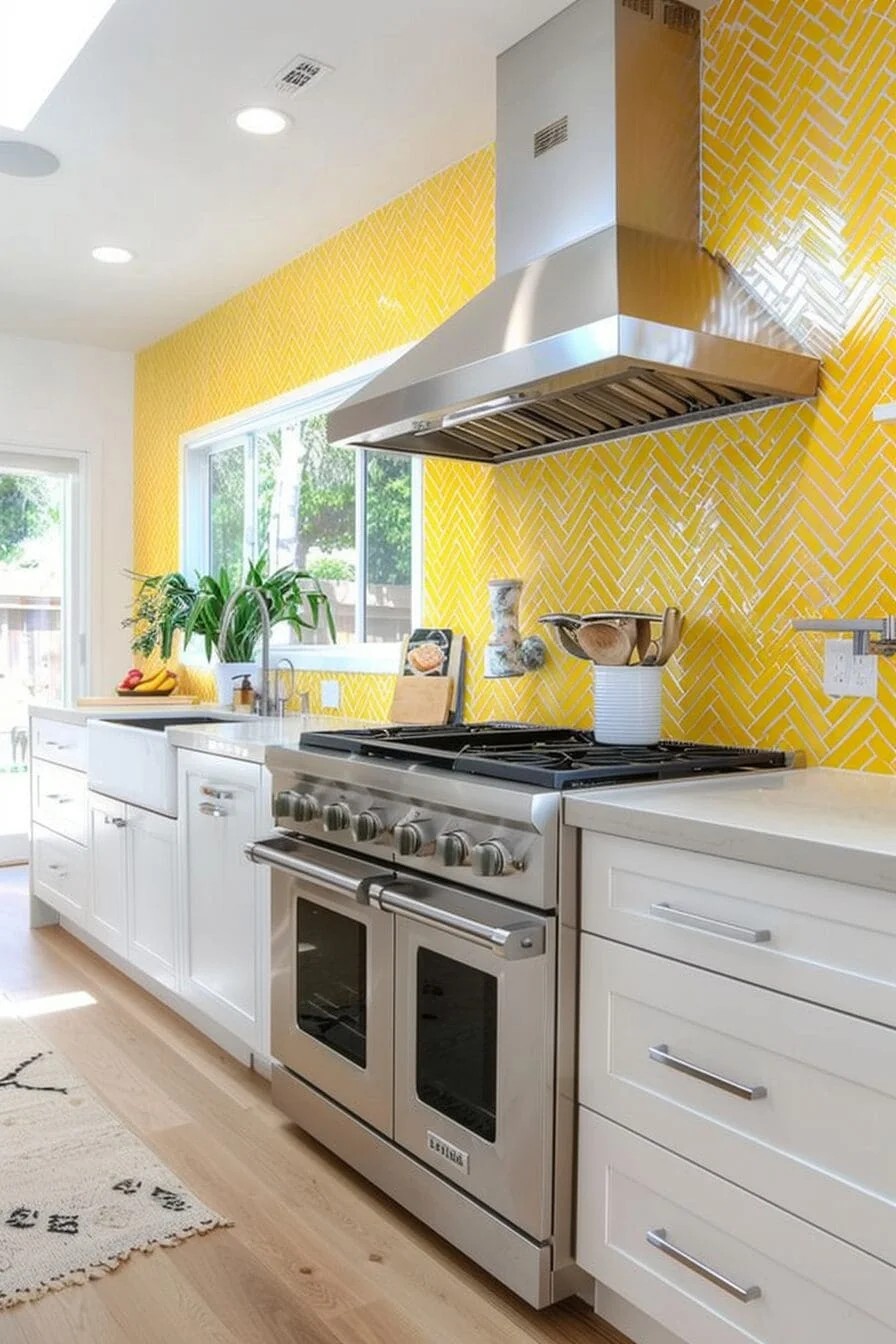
(274, 854)
(512, 941)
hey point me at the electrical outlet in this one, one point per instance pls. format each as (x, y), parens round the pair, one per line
(837, 666)
(863, 677)
(329, 694)
(846, 674)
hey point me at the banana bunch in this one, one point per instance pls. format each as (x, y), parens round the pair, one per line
(162, 682)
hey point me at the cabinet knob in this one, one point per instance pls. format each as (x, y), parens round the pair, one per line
(336, 817)
(367, 825)
(491, 858)
(453, 848)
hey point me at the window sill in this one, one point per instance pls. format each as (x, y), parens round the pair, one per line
(381, 659)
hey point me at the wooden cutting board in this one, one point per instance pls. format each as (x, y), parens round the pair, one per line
(104, 701)
(422, 700)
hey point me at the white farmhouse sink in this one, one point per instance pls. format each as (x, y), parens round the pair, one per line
(132, 759)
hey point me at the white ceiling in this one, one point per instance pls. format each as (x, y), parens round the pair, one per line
(151, 160)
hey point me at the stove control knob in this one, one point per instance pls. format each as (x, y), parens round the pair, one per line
(284, 804)
(367, 825)
(305, 807)
(453, 848)
(410, 838)
(336, 817)
(491, 858)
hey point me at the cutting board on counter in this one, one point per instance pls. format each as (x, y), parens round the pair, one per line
(104, 701)
(422, 700)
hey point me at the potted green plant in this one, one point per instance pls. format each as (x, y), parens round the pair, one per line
(168, 604)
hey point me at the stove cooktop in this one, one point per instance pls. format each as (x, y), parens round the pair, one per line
(549, 758)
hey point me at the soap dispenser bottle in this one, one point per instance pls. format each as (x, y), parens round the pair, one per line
(243, 695)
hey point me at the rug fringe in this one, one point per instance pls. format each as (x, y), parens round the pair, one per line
(98, 1271)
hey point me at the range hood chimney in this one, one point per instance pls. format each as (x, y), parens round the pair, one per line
(607, 318)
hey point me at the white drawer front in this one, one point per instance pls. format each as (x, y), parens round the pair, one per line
(65, 743)
(825, 941)
(59, 872)
(675, 1053)
(812, 1289)
(59, 800)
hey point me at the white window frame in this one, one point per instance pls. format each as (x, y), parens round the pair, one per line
(314, 398)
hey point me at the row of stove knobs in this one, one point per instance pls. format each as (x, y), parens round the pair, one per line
(488, 858)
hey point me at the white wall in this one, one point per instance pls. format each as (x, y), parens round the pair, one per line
(76, 398)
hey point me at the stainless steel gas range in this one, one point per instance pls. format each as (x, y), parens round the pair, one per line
(424, 969)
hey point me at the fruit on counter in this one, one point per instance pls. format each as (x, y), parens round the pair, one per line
(158, 683)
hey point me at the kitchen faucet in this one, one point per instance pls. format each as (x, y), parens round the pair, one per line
(264, 695)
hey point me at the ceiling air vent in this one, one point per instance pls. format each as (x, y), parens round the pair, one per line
(639, 6)
(549, 137)
(684, 18)
(299, 73)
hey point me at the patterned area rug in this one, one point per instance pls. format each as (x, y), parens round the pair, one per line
(79, 1193)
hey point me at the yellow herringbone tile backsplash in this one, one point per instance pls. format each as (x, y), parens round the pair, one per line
(747, 522)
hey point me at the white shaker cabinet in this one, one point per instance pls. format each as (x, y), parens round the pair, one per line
(152, 894)
(107, 910)
(222, 805)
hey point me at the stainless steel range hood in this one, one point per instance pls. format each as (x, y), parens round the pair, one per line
(607, 317)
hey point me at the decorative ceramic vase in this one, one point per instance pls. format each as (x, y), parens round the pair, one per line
(228, 677)
(628, 703)
(502, 653)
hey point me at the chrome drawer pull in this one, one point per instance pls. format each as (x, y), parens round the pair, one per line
(660, 1055)
(207, 791)
(211, 810)
(657, 1237)
(56, 868)
(662, 910)
(60, 798)
(114, 821)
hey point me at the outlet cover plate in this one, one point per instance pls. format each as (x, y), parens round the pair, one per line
(330, 693)
(846, 674)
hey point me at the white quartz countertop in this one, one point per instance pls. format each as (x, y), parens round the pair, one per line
(839, 824)
(127, 709)
(248, 739)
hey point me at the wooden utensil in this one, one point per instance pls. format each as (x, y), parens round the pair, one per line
(605, 643)
(564, 625)
(670, 636)
(421, 700)
(642, 637)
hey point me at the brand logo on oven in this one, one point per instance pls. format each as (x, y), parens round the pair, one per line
(455, 1157)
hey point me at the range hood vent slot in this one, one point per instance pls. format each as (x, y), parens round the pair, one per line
(549, 137)
(684, 18)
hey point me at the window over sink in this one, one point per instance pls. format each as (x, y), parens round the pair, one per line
(268, 480)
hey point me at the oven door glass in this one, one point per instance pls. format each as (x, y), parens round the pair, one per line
(331, 979)
(457, 1041)
(474, 1052)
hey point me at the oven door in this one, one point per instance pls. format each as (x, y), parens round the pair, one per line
(474, 1033)
(331, 975)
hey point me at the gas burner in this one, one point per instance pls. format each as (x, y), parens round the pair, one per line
(548, 758)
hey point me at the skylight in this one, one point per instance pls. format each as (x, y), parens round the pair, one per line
(39, 41)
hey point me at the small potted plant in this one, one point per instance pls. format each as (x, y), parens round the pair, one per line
(168, 604)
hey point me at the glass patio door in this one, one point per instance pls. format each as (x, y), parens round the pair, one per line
(39, 569)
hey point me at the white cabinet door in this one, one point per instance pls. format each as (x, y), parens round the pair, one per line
(152, 893)
(220, 811)
(107, 906)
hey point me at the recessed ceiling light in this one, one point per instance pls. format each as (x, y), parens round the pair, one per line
(262, 120)
(20, 159)
(39, 40)
(116, 256)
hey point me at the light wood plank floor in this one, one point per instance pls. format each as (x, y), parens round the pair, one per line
(316, 1256)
